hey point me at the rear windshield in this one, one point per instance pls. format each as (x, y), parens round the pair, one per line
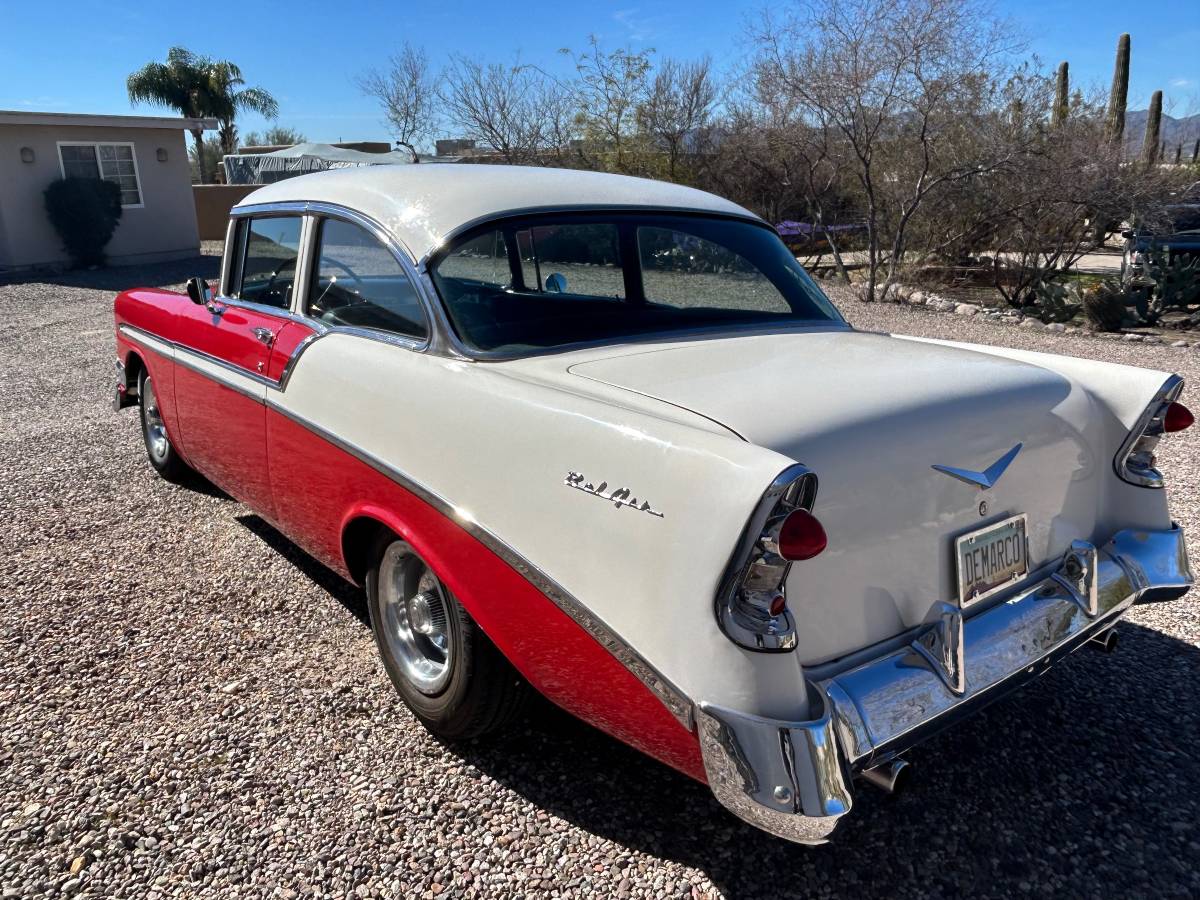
(531, 284)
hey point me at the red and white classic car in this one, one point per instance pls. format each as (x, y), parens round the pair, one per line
(567, 429)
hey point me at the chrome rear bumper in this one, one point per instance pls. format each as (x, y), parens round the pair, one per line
(793, 779)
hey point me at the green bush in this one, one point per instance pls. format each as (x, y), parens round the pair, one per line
(85, 213)
(1056, 302)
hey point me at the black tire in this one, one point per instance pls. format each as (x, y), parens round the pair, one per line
(162, 454)
(482, 693)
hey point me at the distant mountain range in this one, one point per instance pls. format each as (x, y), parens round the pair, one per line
(1174, 131)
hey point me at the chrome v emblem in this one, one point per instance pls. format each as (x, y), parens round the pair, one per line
(988, 477)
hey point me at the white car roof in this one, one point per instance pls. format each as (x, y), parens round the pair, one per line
(421, 204)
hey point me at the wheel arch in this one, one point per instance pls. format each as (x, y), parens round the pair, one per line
(134, 367)
(361, 530)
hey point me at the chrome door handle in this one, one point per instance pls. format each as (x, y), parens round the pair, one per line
(215, 308)
(266, 335)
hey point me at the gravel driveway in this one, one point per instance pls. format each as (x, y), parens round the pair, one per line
(189, 706)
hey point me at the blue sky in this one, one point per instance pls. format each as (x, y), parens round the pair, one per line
(72, 55)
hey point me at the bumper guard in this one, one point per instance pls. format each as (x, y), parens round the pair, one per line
(793, 779)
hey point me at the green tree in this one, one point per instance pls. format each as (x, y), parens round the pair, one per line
(181, 83)
(276, 135)
(230, 96)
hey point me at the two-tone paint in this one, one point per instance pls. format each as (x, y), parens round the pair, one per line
(332, 432)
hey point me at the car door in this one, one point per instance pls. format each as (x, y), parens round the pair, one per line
(224, 358)
(361, 294)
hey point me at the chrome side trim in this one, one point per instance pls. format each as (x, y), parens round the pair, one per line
(671, 697)
(1146, 477)
(793, 779)
(225, 373)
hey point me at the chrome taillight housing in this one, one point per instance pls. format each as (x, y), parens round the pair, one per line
(1135, 461)
(752, 599)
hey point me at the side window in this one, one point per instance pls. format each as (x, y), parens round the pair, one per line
(357, 281)
(683, 270)
(483, 259)
(572, 259)
(268, 249)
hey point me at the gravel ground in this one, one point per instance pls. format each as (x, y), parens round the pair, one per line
(192, 707)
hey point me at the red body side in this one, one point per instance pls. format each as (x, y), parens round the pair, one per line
(311, 490)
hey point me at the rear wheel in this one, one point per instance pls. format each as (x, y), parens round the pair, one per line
(444, 667)
(163, 456)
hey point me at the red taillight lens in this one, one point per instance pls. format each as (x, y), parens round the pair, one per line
(1178, 417)
(801, 536)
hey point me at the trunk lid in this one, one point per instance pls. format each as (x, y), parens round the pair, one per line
(871, 414)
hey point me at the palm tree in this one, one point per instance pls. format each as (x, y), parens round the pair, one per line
(182, 83)
(231, 97)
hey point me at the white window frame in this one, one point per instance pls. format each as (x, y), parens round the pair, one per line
(137, 175)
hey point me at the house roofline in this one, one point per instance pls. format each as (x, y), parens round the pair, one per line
(88, 120)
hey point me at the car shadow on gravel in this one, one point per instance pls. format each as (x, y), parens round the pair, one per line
(319, 574)
(1084, 783)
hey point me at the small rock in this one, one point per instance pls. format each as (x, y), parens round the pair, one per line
(1180, 344)
(234, 686)
(1056, 326)
(78, 863)
(71, 886)
(1134, 337)
(1030, 323)
(966, 309)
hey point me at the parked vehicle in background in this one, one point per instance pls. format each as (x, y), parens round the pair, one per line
(567, 429)
(1178, 236)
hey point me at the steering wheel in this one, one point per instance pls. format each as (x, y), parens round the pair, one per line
(316, 304)
(270, 286)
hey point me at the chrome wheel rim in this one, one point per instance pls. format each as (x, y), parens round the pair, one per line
(414, 615)
(156, 431)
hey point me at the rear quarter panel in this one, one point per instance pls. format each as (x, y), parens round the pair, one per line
(498, 450)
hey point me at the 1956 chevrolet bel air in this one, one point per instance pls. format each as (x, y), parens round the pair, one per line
(568, 430)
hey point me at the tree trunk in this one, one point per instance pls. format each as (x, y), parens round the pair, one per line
(198, 137)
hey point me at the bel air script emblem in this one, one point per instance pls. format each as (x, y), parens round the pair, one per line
(618, 496)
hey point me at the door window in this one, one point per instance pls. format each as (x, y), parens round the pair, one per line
(356, 281)
(269, 248)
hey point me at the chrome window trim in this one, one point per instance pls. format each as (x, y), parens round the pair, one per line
(463, 350)
(676, 702)
(436, 323)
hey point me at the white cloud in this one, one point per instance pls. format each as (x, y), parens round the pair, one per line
(1181, 82)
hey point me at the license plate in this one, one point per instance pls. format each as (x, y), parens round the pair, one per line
(990, 559)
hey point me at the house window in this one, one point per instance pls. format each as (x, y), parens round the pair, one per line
(112, 162)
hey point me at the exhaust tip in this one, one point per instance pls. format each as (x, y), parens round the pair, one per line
(891, 777)
(1105, 641)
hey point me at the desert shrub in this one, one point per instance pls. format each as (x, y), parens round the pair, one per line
(1055, 302)
(85, 213)
(1106, 306)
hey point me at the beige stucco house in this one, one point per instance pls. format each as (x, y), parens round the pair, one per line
(145, 155)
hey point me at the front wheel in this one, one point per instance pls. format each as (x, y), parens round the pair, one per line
(445, 668)
(163, 456)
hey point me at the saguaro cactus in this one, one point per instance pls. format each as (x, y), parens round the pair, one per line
(1196, 151)
(1150, 143)
(1178, 154)
(1120, 90)
(1058, 115)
